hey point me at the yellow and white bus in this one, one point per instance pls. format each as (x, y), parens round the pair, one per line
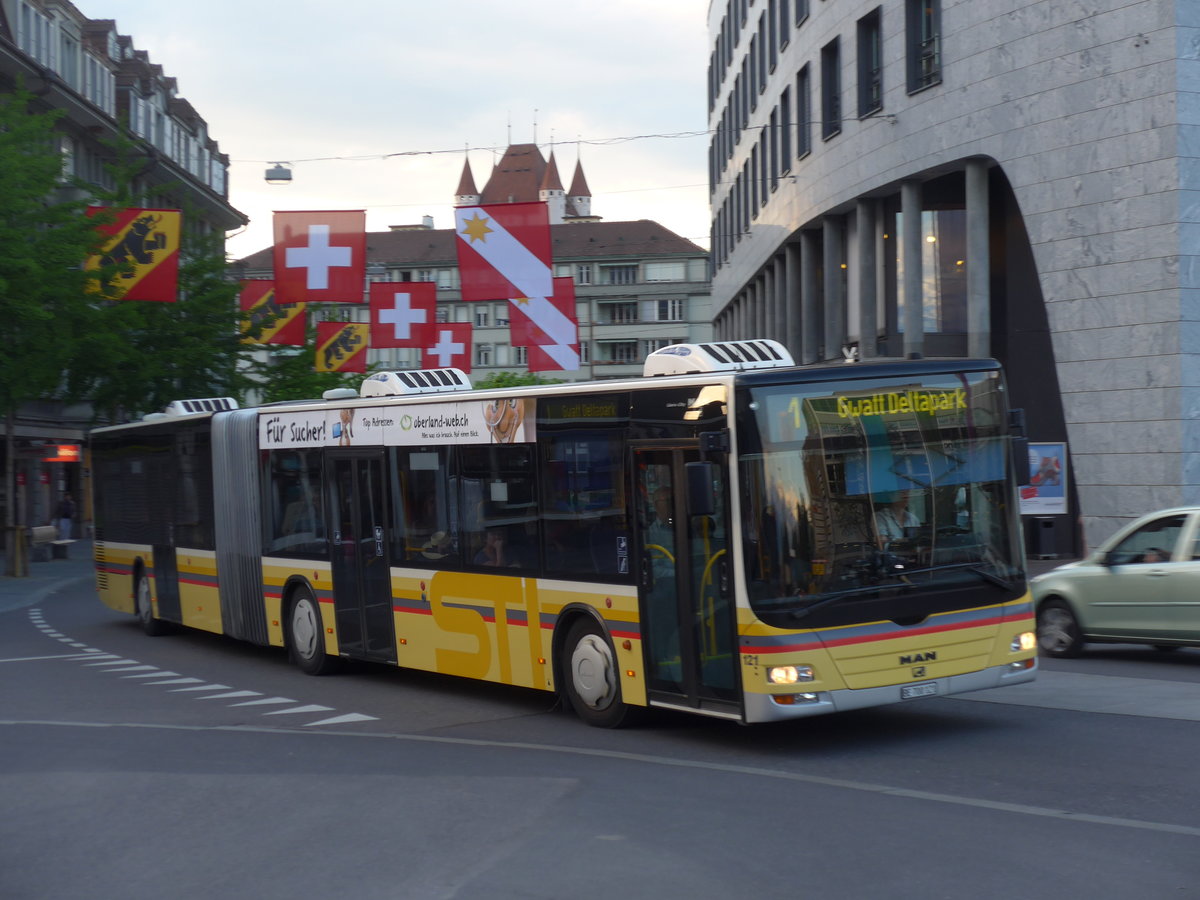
(730, 535)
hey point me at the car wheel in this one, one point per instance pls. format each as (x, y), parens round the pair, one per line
(591, 678)
(306, 635)
(144, 609)
(1058, 630)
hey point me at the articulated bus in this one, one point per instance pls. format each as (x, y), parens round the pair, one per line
(730, 535)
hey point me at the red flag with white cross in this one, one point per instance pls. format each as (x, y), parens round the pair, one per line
(403, 313)
(320, 257)
(450, 347)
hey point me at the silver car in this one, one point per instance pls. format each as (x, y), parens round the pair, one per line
(1141, 586)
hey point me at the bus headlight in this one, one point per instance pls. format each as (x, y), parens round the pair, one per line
(1026, 640)
(789, 674)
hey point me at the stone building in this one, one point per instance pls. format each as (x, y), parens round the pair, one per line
(1025, 172)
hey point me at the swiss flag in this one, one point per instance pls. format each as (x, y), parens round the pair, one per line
(545, 320)
(320, 257)
(449, 348)
(402, 313)
(504, 250)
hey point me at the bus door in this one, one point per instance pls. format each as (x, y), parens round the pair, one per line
(688, 625)
(166, 580)
(362, 584)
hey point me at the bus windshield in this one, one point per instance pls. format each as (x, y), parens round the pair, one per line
(876, 489)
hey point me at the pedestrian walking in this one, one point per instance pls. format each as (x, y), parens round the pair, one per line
(64, 516)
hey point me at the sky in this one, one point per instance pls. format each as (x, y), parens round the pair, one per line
(376, 103)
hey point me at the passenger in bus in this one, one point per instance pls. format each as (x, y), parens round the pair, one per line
(893, 518)
(495, 550)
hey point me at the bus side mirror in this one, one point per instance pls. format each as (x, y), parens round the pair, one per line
(700, 478)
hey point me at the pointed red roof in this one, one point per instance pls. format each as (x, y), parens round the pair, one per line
(466, 184)
(550, 180)
(516, 178)
(579, 185)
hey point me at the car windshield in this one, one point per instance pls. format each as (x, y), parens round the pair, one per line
(883, 488)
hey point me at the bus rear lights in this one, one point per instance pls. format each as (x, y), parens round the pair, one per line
(1022, 664)
(789, 674)
(1026, 640)
(793, 699)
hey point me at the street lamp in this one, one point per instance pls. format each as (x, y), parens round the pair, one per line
(279, 173)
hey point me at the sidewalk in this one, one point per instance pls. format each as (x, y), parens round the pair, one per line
(46, 577)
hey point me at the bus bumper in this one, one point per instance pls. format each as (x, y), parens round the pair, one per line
(773, 708)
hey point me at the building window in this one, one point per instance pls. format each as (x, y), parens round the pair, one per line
(752, 85)
(619, 352)
(943, 270)
(785, 131)
(483, 354)
(618, 274)
(675, 270)
(583, 274)
(620, 313)
(462, 313)
(652, 344)
(803, 113)
(831, 89)
(923, 37)
(520, 356)
(665, 310)
(773, 131)
(773, 31)
(483, 317)
(801, 11)
(870, 64)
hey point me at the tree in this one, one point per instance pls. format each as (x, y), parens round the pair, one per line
(43, 288)
(291, 374)
(514, 379)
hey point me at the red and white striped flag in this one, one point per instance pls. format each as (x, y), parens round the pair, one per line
(504, 251)
(548, 326)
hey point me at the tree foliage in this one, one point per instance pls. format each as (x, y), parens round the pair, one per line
(514, 379)
(44, 238)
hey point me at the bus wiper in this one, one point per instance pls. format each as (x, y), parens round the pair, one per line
(973, 568)
(829, 599)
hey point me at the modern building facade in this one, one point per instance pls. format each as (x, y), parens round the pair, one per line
(104, 87)
(1002, 178)
(638, 285)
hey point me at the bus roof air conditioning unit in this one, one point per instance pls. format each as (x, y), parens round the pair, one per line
(717, 356)
(205, 405)
(415, 381)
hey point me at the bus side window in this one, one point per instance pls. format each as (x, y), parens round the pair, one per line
(583, 504)
(498, 500)
(424, 530)
(295, 512)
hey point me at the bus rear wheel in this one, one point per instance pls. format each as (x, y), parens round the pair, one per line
(306, 635)
(591, 678)
(144, 609)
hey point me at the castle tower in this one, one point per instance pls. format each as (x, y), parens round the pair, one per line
(579, 197)
(551, 192)
(466, 195)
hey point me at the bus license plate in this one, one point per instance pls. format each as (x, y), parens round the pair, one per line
(912, 691)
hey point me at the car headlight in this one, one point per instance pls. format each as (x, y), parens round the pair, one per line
(1026, 640)
(789, 674)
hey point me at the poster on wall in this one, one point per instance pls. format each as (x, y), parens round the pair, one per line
(1046, 493)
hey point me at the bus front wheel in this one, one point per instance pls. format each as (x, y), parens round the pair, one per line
(144, 608)
(306, 635)
(591, 677)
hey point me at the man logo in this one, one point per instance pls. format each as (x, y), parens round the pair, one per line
(911, 658)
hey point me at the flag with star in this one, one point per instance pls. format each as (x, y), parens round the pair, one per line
(548, 326)
(450, 347)
(320, 257)
(403, 313)
(280, 323)
(144, 244)
(342, 346)
(504, 250)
